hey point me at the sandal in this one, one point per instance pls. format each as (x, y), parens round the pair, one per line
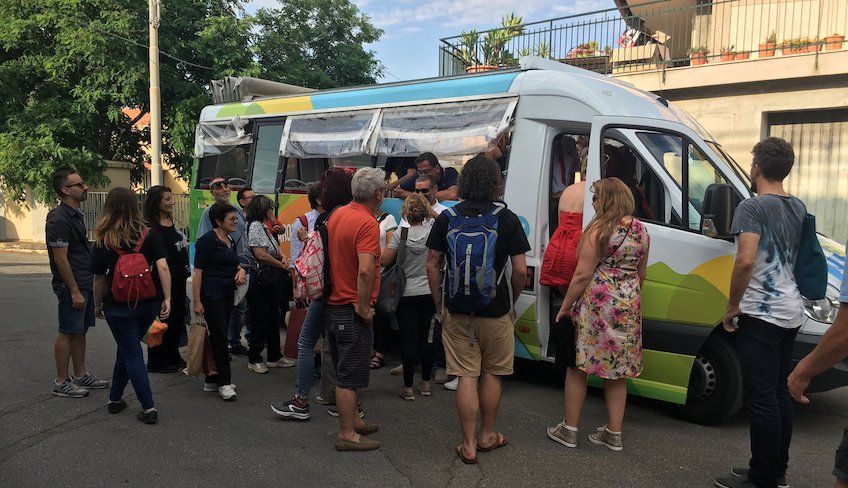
(461, 453)
(377, 361)
(500, 442)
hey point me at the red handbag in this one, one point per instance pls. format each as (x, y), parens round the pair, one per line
(296, 318)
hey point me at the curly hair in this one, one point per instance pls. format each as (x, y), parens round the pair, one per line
(775, 158)
(416, 209)
(480, 179)
(335, 188)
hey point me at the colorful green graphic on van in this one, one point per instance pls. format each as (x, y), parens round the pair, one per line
(697, 298)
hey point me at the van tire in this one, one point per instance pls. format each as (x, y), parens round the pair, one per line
(715, 383)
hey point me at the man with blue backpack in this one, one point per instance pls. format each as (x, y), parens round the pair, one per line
(479, 239)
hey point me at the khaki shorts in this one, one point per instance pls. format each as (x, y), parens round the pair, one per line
(490, 348)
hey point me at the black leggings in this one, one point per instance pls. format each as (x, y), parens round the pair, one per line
(264, 310)
(168, 354)
(217, 315)
(414, 316)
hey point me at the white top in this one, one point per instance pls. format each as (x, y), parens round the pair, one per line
(437, 207)
(389, 224)
(296, 244)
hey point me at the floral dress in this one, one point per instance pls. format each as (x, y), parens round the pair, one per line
(608, 316)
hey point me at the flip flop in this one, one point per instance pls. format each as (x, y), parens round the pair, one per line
(461, 454)
(500, 442)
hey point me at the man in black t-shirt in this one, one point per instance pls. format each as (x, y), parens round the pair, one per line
(70, 254)
(479, 348)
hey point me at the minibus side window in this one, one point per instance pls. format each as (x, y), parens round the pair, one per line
(267, 158)
(301, 172)
(230, 165)
(623, 162)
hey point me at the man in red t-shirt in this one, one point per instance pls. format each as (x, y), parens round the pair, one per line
(354, 254)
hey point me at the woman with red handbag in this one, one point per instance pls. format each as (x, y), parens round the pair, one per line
(132, 285)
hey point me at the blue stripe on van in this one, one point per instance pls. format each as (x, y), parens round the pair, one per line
(460, 87)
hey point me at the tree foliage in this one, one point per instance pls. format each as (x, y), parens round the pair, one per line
(68, 68)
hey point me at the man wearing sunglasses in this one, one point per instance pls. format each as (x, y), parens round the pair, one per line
(221, 191)
(446, 179)
(426, 186)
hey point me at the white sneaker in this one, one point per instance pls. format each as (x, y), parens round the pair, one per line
(210, 387)
(281, 363)
(227, 392)
(257, 367)
(452, 384)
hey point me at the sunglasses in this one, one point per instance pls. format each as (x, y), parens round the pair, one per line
(218, 184)
(422, 190)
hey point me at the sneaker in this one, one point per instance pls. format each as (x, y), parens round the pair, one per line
(732, 482)
(291, 410)
(210, 387)
(604, 437)
(441, 377)
(68, 389)
(397, 370)
(452, 384)
(257, 367)
(281, 363)
(116, 407)
(425, 388)
(150, 417)
(407, 394)
(334, 412)
(227, 392)
(782, 481)
(322, 400)
(565, 436)
(238, 350)
(90, 382)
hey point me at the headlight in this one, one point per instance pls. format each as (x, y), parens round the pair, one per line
(823, 310)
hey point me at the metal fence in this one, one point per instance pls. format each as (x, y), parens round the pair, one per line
(92, 207)
(654, 35)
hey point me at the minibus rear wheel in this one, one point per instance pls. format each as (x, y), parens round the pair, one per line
(715, 383)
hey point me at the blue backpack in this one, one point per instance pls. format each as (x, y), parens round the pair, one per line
(471, 281)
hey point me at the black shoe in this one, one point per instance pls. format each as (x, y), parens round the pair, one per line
(743, 474)
(163, 369)
(116, 407)
(238, 350)
(148, 417)
(333, 411)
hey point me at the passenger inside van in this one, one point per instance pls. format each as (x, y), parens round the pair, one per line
(427, 164)
(565, 158)
(621, 163)
(403, 169)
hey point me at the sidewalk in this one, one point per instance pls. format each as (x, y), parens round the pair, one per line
(29, 247)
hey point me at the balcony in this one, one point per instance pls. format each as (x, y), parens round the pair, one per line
(659, 35)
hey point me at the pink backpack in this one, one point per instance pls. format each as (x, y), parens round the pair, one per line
(132, 280)
(310, 267)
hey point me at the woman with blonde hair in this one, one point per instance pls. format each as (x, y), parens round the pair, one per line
(604, 300)
(121, 230)
(416, 309)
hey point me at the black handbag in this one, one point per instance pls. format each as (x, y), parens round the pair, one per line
(277, 280)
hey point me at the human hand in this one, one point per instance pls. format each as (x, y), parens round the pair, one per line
(77, 300)
(367, 315)
(729, 324)
(241, 277)
(165, 310)
(513, 315)
(798, 383)
(301, 234)
(277, 229)
(198, 308)
(563, 312)
(98, 312)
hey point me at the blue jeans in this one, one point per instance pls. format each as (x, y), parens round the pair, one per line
(765, 358)
(313, 326)
(128, 327)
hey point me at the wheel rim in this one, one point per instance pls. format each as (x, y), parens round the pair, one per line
(704, 380)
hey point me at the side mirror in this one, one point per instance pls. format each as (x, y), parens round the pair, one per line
(717, 211)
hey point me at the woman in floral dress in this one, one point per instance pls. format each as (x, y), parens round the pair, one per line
(604, 299)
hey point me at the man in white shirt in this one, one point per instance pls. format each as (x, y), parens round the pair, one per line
(426, 185)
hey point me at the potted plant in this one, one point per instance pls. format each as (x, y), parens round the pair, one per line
(768, 48)
(743, 55)
(468, 49)
(698, 55)
(815, 44)
(728, 53)
(834, 42)
(494, 44)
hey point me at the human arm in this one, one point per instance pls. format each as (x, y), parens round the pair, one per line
(264, 257)
(60, 257)
(365, 277)
(196, 279)
(832, 348)
(388, 257)
(642, 269)
(746, 254)
(204, 226)
(410, 174)
(435, 262)
(99, 291)
(165, 281)
(587, 260)
(451, 194)
(519, 278)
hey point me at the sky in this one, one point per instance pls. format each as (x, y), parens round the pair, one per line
(409, 48)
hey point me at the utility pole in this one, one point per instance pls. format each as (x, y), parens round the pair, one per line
(155, 102)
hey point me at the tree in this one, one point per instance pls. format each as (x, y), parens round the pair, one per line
(317, 44)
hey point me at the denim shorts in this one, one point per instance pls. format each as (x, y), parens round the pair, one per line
(72, 320)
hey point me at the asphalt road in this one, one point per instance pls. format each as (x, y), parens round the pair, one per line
(200, 440)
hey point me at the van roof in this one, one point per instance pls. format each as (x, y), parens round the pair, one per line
(536, 76)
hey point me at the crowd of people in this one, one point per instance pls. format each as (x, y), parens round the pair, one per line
(455, 313)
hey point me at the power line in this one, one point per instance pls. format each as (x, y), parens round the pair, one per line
(163, 53)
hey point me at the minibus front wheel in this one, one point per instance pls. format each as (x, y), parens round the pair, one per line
(715, 383)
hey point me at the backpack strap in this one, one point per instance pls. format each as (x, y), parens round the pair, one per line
(404, 233)
(304, 221)
(498, 208)
(137, 248)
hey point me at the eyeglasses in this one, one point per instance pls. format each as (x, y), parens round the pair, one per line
(80, 184)
(427, 171)
(422, 190)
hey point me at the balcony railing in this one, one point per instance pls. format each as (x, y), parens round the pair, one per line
(656, 35)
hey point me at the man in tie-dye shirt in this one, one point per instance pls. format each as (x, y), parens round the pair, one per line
(765, 311)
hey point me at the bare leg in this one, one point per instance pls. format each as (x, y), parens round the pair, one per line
(615, 394)
(62, 355)
(467, 405)
(78, 353)
(575, 395)
(346, 403)
(490, 400)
